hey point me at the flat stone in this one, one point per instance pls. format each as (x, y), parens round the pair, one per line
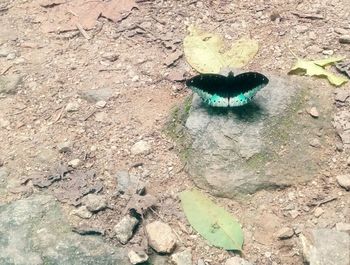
(72, 106)
(125, 228)
(101, 104)
(65, 147)
(231, 151)
(9, 83)
(74, 163)
(137, 257)
(82, 212)
(35, 231)
(182, 258)
(318, 212)
(315, 143)
(110, 56)
(94, 202)
(127, 183)
(160, 237)
(343, 227)
(344, 181)
(141, 147)
(95, 95)
(285, 233)
(237, 261)
(344, 39)
(326, 247)
(342, 95)
(314, 112)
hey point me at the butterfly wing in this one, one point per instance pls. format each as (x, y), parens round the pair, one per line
(211, 88)
(245, 86)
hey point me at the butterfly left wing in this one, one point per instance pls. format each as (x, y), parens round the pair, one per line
(211, 88)
(246, 86)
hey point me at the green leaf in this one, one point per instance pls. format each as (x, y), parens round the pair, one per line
(212, 222)
(314, 68)
(206, 52)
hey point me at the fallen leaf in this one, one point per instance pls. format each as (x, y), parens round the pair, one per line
(212, 222)
(206, 52)
(67, 16)
(315, 68)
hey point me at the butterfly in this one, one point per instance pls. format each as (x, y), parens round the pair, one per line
(227, 91)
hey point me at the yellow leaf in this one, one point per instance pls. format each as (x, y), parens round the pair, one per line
(314, 68)
(206, 51)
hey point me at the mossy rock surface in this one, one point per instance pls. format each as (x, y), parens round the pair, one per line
(262, 145)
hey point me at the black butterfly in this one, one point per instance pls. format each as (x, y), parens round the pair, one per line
(227, 91)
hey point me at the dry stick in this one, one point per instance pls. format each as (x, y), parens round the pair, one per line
(6, 69)
(82, 31)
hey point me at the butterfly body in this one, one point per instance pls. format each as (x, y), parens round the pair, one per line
(227, 91)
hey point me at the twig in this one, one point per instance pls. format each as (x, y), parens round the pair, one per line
(319, 203)
(308, 16)
(82, 31)
(6, 69)
(89, 115)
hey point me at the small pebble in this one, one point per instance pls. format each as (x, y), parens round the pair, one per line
(182, 258)
(160, 237)
(137, 257)
(101, 104)
(110, 56)
(285, 233)
(328, 52)
(125, 228)
(94, 202)
(344, 39)
(315, 143)
(314, 112)
(318, 212)
(344, 227)
(341, 31)
(11, 56)
(74, 163)
(72, 107)
(65, 147)
(141, 147)
(82, 212)
(344, 181)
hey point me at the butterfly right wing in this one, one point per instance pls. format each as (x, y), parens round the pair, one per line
(211, 88)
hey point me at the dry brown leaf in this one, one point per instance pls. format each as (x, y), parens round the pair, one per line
(65, 17)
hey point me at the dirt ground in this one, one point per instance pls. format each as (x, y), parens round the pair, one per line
(133, 58)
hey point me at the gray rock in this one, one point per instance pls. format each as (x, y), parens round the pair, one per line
(237, 261)
(335, 250)
(158, 260)
(110, 56)
(318, 212)
(344, 181)
(65, 147)
(137, 257)
(160, 237)
(125, 228)
(9, 83)
(72, 106)
(345, 39)
(285, 233)
(315, 143)
(127, 183)
(95, 95)
(342, 95)
(74, 163)
(341, 123)
(94, 202)
(245, 149)
(141, 147)
(82, 212)
(182, 258)
(344, 227)
(34, 231)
